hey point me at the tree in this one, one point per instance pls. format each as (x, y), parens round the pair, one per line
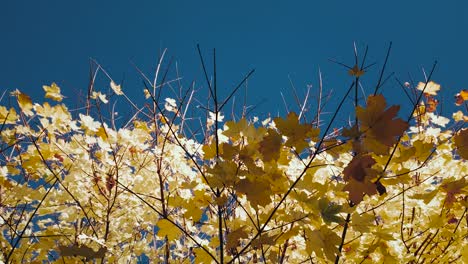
(77, 187)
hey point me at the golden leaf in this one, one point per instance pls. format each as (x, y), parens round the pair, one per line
(116, 88)
(296, 133)
(25, 103)
(53, 92)
(430, 89)
(168, 229)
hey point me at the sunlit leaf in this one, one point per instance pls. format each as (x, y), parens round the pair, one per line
(53, 92)
(430, 89)
(116, 88)
(168, 229)
(296, 132)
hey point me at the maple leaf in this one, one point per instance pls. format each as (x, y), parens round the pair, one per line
(264, 240)
(329, 211)
(258, 192)
(242, 128)
(7, 116)
(362, 223)
(295, 132)
(24, 101)
(100, 96)
(323, 242)
(53, 92)
(459, 116)
(168, 229)
(452, 189)
(380, 124)
(233, 237)
(224, 173)
(430, 89)
(116, 88)
(461, 142)
(356, 71)
(82, 251)
(358, 175)
(270, 145)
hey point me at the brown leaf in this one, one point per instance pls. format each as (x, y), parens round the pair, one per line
(270, 146)
(83, 251)
(356, 71)
(378, 123)
(461, 141)
(358, 175)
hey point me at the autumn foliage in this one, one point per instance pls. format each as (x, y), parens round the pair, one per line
(388, 188)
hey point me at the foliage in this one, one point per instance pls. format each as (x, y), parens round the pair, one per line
(74, 187)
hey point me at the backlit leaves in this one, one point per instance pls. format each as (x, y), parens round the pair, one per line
(122, 192)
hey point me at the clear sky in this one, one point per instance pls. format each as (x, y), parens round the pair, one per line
(52, 41)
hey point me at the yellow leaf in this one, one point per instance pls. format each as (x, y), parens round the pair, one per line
(116, 88)
(201, 256)
(323, 242)
(459, 116)
(101, 97)
(53, 92)
(431, 88)
(362, 223)
(8, 116)
(296, 133)
(168, 229)
(25, 103)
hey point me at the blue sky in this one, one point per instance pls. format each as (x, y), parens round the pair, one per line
(52, 41)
